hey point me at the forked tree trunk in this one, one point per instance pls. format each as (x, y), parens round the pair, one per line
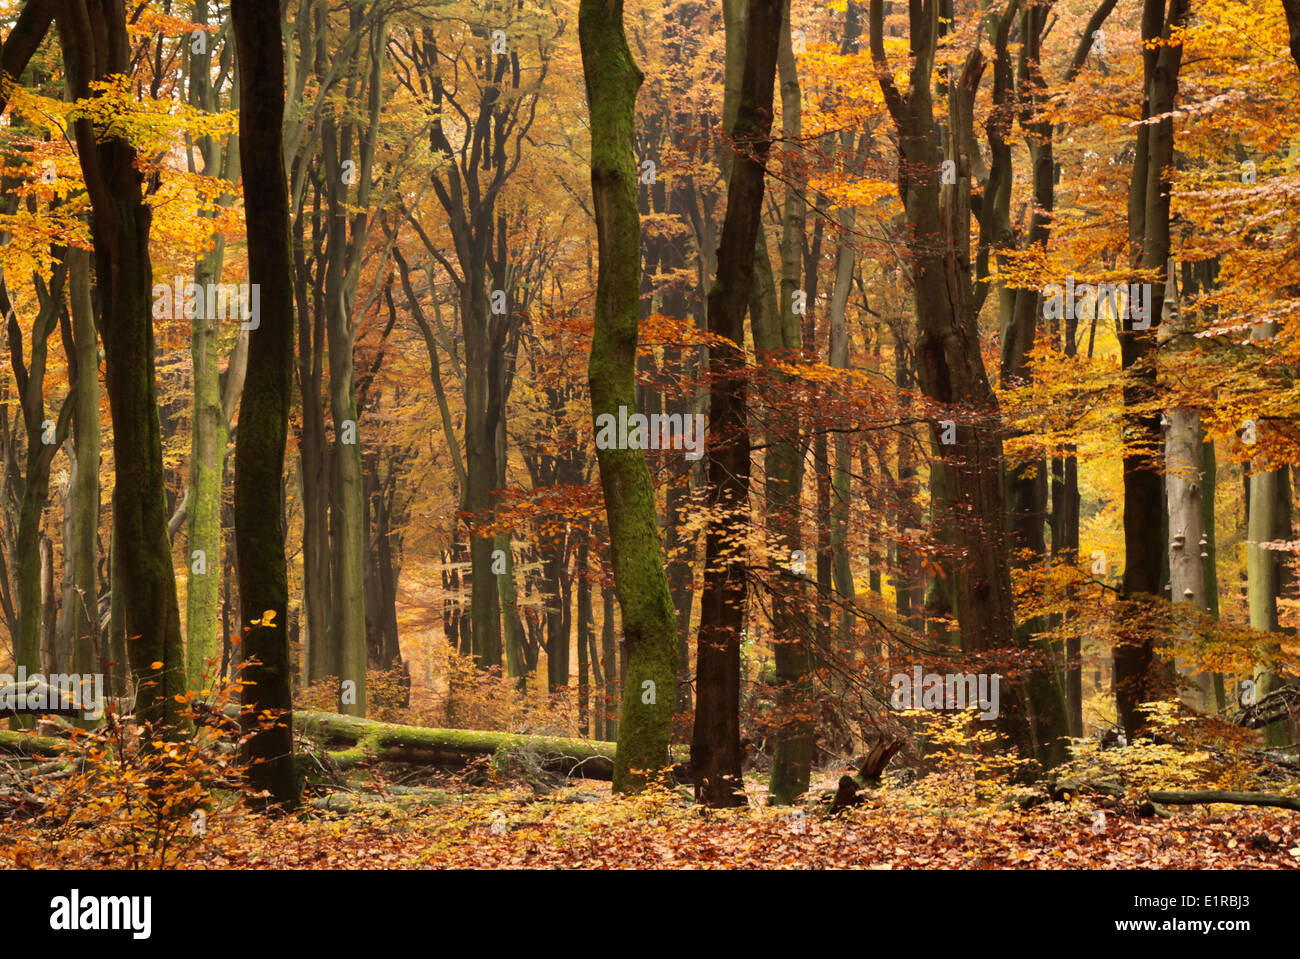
(1144, 553)
(969, 506)
(715, 745)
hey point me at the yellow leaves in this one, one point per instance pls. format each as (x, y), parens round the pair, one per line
(188, 215)
(854, 192)
(152, 23)
(152, 126)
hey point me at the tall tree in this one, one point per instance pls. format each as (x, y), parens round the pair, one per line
(264, 408)
(715, 743)
(967, 497)
(1149, 244)
(792, 755)
(490, 97)
(649, 624)
(209, 428)
(96, 48)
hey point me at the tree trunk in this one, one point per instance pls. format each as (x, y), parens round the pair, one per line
(313, 457)
(609, 663)
(347, 483)
(1144, 554)
(81, 591)
(585, 631)
(264, 409)
(969, 508)
(792, 754)
(649, 624)
(95, 42)
(715, 745)
(209, 425)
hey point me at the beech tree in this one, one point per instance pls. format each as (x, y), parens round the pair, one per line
(96, 48)
(264, 406)
(715, 743)
(649, 625)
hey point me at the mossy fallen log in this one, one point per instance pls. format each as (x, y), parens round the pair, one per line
(1172, 798)
(1066, 790)
(350, 740)
(345, 803)
(17, 742)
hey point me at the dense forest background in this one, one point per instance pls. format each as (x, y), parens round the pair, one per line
(987, 309)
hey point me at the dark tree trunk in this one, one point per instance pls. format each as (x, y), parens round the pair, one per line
(264, 408)
(715, 744)
(96, 47)
(1144, 508)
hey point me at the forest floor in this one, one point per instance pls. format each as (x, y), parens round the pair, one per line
(585, 827)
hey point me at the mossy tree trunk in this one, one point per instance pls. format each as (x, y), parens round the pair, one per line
(209, 425)
(264, 408)
(649, 623)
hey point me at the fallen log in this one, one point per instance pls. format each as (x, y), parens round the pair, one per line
(1173, 798)
(28, 744)
(365, 740)
(1282, 703)
(350, 741)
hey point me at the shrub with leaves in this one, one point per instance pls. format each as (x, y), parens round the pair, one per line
(132, 795)
(970, 762)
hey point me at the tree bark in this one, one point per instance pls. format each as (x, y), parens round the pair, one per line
(81, 592)
(209, 424)
(649, 625)
(1144, 554)
(715, 745)
(264, 409)
(96, 47)
(792, 752)
(968, 505)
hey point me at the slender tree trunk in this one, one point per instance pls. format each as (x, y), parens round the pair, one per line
(209, 426)
(715, 745)
(609, 663)
(313, 458)
(264, 410)
(1144, 553)
(585, 631)
(792, 754)
(1268, 520)
(347, 482)
(96, 47)
(42, 441)
(82, 543)
(649, 625)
